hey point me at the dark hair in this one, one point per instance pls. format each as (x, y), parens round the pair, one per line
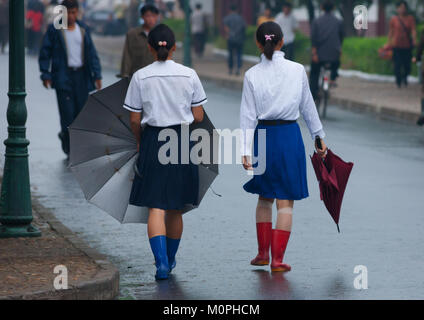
(233, 7)
(328, 6)
(275, 34)
(199, 6)
(162, 33)
(399, 3)
(149, 8)
(70, 4)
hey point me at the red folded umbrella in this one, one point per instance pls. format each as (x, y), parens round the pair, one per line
(332, 174)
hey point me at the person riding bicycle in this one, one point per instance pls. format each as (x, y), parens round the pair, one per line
(327, 38)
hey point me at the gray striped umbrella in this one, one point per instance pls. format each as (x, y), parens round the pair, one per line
(104, 154)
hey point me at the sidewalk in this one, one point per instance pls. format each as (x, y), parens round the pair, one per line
(27, 265)
(352, 93)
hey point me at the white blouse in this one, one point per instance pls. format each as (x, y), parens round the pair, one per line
(165, 92)
(276, 90)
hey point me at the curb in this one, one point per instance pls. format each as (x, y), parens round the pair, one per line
(409, 117)
(105, 284)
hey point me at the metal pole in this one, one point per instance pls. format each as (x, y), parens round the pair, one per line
(187, 37)
(15, 201)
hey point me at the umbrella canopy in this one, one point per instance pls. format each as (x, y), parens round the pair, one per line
(332, 174)
(104, 154)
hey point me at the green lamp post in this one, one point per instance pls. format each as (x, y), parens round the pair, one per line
(15, 200)
(187, 36)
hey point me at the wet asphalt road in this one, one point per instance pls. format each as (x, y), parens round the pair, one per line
(382, 220)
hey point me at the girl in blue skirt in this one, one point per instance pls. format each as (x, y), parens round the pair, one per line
(164, 96)
(276, 91)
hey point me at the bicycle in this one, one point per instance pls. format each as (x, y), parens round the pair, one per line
(324, 90)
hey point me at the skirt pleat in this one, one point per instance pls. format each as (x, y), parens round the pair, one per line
(285, 176)
(163, 186)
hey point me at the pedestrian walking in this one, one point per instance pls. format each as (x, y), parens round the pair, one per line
(199, 30)
(235, 31)
(327, 39)
(275, 93)
(69, 63)
(289, 25)
(402, 38)
(34, 25)
(136, 53)
(169, 95)
(4, 24)
(265, 17)
(420, 50)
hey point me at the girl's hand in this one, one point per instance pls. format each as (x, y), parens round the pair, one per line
(322, 152)
(247, 164)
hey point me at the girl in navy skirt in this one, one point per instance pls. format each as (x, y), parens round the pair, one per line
(164, 96)
(276, 91)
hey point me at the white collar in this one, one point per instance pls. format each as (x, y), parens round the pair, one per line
(277, 55)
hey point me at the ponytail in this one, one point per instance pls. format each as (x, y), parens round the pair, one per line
(269, 49)
(162, 40)
(269, 34)
(163, 53)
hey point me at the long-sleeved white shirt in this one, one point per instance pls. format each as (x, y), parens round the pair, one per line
(276, 90)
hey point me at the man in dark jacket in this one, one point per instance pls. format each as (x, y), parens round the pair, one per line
(327, 38)
(69, 63)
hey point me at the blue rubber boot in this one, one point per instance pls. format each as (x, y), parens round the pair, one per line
(158, 245)
(172, 248)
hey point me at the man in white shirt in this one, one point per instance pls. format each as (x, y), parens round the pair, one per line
(69, 63)
(288, 24)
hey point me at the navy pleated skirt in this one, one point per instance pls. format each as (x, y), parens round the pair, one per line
(163, 186)
(285, 176)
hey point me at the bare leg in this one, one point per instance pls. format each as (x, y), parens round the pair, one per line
(264, 210)
(285, 215)
(156, 223)
(174, 224)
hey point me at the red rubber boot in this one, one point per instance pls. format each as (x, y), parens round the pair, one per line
(263, 231)
(279, 242)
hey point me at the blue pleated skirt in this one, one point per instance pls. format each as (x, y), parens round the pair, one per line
(285, 175)
(163, 186)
